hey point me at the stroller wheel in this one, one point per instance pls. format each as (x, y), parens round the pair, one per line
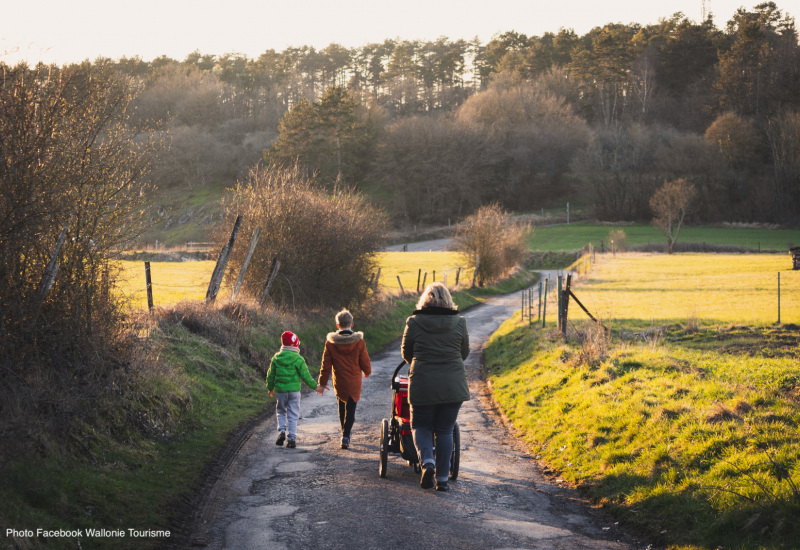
(384, 447)
(456, 456)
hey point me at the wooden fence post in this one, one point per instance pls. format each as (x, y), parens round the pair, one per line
(424, 278)
(49, 276)
(530, 306)
(377, 278)
(539, 315)
(458, 275)
(273, 271)
(246, 264)
(559, 297)
(544, 303)
(419, 274)
(779, 297)
(149, 282)
(565, 305)
(222, 263)
(403, 292)
(475, 273)
(522, 307)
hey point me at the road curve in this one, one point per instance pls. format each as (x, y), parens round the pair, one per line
(320, 496)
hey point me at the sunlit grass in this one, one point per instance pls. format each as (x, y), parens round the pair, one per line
(177, 281)
(172, 282)
(714, 288)
(677, 436)
(407, 266)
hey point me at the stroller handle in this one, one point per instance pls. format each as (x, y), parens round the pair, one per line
(395, 383)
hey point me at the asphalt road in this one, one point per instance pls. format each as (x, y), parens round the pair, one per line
(320, 496)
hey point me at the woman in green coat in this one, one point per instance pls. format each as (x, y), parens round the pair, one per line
(435, 344)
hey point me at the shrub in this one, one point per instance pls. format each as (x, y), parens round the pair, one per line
(67, 160)
(325, 241)
(493, 238)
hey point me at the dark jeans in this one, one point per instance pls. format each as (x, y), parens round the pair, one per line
(347, 415)
(433, 425)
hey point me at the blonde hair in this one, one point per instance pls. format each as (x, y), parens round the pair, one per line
(436, 295)
(344, 319)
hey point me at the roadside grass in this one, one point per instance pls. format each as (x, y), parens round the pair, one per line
(691, 439)
(642, 290)
(576, 235)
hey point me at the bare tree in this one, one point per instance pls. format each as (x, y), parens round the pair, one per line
(670, 203)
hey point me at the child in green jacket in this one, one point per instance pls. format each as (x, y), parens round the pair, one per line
(286, 370)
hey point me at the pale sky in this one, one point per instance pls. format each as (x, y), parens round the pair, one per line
(65, 31)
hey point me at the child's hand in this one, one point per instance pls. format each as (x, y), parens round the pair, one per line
(320, 390)
(272, 393)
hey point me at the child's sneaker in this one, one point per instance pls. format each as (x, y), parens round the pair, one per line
(281, 439)
(291, 444)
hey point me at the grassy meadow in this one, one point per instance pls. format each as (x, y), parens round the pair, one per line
(688, 434)
(172, 282)
(177, 281)
(577, 235)
(655, 289)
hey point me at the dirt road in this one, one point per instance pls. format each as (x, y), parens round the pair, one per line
(320, 496)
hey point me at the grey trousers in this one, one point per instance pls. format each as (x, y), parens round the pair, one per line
(287, 410)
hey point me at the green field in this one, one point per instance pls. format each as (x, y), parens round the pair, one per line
(687, 433)
(577, 235)
(644, 289)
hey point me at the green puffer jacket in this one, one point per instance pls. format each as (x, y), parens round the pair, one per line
(286, 370)
(435, 344)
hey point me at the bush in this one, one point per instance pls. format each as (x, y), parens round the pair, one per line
(325, 241)
(491, 237)
(67, 160)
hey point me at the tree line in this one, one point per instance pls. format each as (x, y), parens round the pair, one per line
(435, 128)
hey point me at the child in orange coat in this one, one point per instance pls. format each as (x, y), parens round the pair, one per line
(346, 357)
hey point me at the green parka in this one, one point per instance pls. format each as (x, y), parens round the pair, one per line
(435, 344)
(286, 370)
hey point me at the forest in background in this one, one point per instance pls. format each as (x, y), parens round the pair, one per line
(432, 130)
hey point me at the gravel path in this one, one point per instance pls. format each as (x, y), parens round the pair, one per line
(320, 496)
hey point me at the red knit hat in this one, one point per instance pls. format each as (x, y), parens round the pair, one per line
(290, 339)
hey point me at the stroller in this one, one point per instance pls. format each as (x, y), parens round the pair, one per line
(396, 435)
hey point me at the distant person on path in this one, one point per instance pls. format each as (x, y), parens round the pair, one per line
(435, 344)
(286, 370)
(346, 357)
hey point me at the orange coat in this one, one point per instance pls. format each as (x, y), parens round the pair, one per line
(346, 356)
